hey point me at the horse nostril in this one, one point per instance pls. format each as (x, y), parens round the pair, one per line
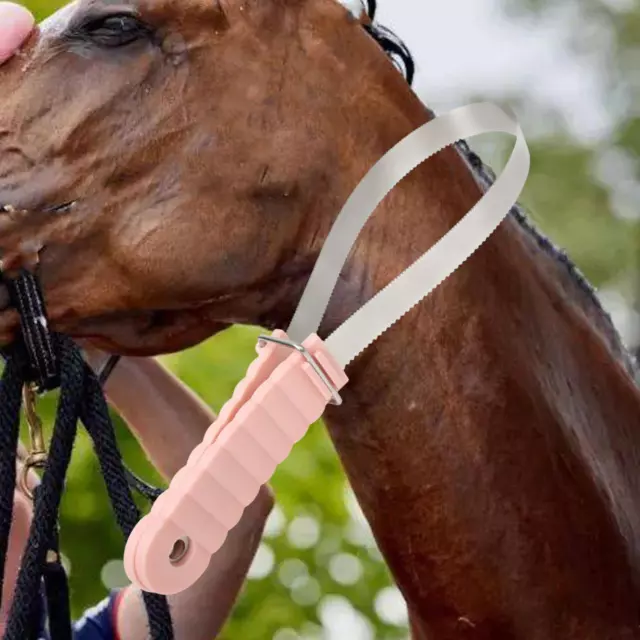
(62, 208)
(65, 207)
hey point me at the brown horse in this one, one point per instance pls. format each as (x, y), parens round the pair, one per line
(179, 166)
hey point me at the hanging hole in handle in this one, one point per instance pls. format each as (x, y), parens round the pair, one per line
(179, 550)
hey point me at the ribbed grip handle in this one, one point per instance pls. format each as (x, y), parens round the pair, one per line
(270, 410)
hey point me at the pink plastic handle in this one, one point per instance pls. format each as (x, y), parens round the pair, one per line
(270, 410)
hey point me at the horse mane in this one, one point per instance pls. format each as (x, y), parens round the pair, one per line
(390, 43)
(586, 292)
(399, 53)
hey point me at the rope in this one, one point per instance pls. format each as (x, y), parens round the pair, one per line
(57, 593)
(47, 500)
(80, 396)
(95, 415)
(10, 401)
(144, 489)
(149, 492)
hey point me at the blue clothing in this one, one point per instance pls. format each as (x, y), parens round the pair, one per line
(97, 623)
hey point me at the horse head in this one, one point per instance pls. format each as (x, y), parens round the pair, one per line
(172, 168)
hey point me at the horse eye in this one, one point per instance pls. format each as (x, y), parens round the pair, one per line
(115, 31)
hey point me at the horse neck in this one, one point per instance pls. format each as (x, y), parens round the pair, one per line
(488, 434)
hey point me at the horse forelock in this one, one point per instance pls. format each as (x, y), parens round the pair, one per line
(393, 46)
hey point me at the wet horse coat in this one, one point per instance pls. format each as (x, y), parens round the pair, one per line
(491, 436)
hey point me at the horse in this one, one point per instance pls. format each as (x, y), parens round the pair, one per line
(170, 169)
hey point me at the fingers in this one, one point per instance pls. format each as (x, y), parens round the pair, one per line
(16, 23)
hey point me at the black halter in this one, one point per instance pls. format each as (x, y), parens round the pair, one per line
(43, 361)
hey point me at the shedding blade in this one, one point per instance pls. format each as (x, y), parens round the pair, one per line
(270, 410)
(284, 392)
(451, 251)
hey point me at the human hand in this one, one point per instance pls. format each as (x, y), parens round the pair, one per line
(16, 23)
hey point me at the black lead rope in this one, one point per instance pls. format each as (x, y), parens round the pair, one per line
(10, 403)
(144, 489)
(38, 355)
(51, 360)
(56, 591)
(24, 616)
(95, 415)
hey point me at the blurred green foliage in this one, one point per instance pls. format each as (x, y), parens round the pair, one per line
(314, 547)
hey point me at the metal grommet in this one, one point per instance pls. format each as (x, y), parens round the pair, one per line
(33, 461)
(179, 550)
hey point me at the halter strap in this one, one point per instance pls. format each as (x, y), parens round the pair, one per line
(35, 349)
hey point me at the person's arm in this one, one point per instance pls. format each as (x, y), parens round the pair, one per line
(169, 420)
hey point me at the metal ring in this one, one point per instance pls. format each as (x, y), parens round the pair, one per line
(32, 461)
(336, 399)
